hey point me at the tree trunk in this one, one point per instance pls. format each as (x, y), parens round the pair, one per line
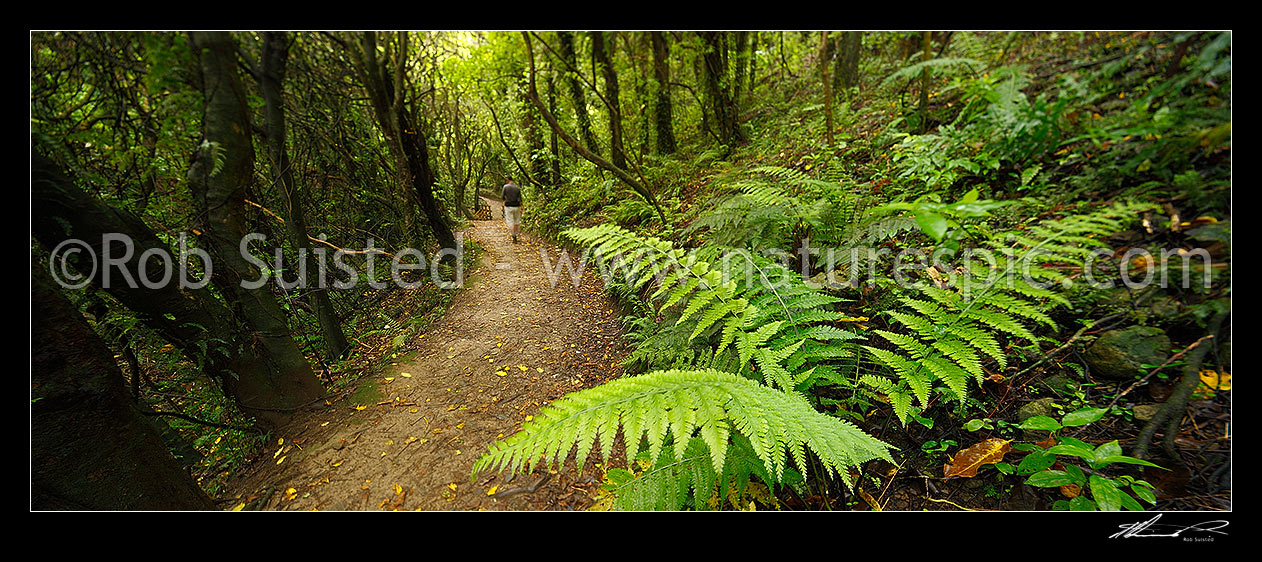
(718, 88)
(927, 44)
(846, 73)
(220, 172)
(824, 51)
(741, 66)
(552, 145)
(750, 78)
(90, 446)
(617, 154)
(190, 318)
(576, 91)
(272, 83)
(406, 140)
(620, 173)
(661, 70)
(534, 142)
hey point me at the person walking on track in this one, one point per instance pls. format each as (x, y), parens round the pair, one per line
(512, 207)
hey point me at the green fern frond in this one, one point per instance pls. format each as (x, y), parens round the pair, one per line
(956, 327)
(684, 404)
(668, 483)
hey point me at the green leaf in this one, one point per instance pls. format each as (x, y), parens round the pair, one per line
(1076, 443)
(1105, 461)
(974, 424)
(932, 224)
(1144, 493)
(1083, 417)
(1040, 423)
(1079, 477)
(1035, 461)
(1128, 502)
(1072, 450)
(1050, 479)
(1106, 495)
(1081, 503)
(1110, 449)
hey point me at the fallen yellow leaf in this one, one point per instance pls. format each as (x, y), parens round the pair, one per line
(239, 507)
(360, 407)
(1212, 379)
(282, 459)
(490, 492)
(452, 486)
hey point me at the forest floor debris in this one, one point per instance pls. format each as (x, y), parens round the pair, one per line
(509, 344)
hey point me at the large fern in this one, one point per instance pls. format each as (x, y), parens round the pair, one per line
(672, 483)
(950, 332)
(670, 408)
(774, 204)
(777, 323)
(730, 310)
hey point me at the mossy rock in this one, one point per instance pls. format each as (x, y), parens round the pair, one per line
(1041, 407)
(1144, 412)
(1120, 354)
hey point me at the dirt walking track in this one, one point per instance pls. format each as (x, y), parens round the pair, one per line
(408, 437)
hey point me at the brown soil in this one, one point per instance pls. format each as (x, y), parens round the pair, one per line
(408, 437)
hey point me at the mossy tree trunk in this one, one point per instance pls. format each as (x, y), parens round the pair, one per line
(385, 81)
(272, 82)
(617, 153)
(576, 91)
(662, 110)
(191, 318)
(221, 172)
(91, 448)
(718, 82)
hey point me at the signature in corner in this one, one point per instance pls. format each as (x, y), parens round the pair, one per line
(1151, 528)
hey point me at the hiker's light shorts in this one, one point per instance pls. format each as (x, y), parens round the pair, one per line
(512, 216)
